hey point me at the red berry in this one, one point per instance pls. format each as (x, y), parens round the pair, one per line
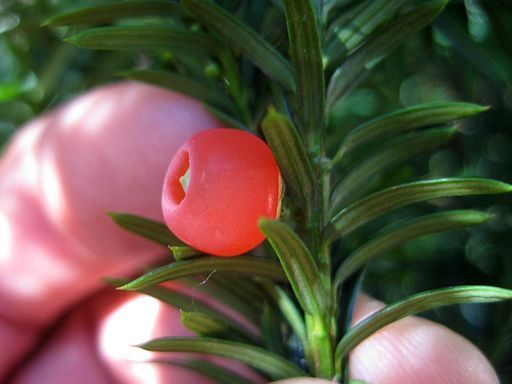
(219, 183)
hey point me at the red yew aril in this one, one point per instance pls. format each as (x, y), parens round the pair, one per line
(219, 183)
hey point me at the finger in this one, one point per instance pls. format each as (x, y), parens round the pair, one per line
(412, 350)
(416, 350)
(96, 344)
(151, 319)
(303, 380)
(76, 352)
(27, 248)
(105, 151)
(109, 151)
(69, 356)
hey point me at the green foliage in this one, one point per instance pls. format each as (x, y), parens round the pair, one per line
(298, 264)
(184, 268)
(133, 38)
(353, 27)
(391, 238)
(209, 93)
(215, 372)
(384, 201)
(350, 96)
(417, 303)
(295, 166)
(306, 55)
(273, 365)
(406, 119)
(147, 228)
(243, 38)
(392, 153)
(109, 13)
(353, 70)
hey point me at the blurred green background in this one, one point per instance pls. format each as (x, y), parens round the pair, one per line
(465, 55)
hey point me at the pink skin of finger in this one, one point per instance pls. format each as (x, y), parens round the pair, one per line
(96, 344)
(108, 151)
(105, 151)
(412, 350)
(416, 350)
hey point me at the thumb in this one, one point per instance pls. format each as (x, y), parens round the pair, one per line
(105, 151)
(416, 350)
(109, 151)
(412, 350)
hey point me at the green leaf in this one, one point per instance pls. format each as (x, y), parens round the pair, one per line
(391, 153)
(298, 264)
(215, 326)
(225, 118)
(408, 230)
(246, 289)
(382, 42)
(320, 345)
(270, 333)
(413, 304)
(406, 119)
(346, 302)
(107, 13)
(211, 286)
(12, 90)
(332, 9)
(288, 309)
(352, 28)
(134, 38)
(183, 84)
(185, 302)
(473, 52)
(278, 4)
(306, 54)
(272, 365)
(182, 252)
(248, 265)
(150, 229)
(219, 374)
(382, 202)
(283, 139)
(179, 300)
(243, 38)
(279, 100)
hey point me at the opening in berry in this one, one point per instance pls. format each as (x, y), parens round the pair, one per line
(185, 180)
(179, 180)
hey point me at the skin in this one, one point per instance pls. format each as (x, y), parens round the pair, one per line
(108, 151)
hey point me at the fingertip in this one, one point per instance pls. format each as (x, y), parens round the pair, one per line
(67, 356)
(104, 151)
(19, 338)
(95, 343)
(416, 350)
(108, 151)
(138, 320)
(303, 380)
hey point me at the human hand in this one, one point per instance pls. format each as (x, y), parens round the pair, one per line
(108, 151)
